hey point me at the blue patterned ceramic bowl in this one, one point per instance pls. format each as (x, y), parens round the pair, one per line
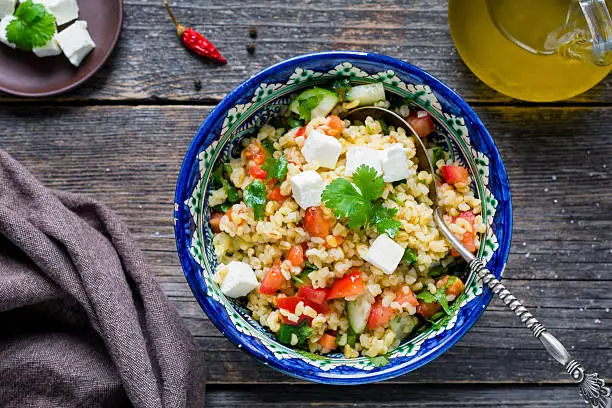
(261, 97)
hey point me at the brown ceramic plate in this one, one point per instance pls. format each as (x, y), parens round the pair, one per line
(24, 74)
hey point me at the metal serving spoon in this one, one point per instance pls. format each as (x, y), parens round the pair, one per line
(592, 388)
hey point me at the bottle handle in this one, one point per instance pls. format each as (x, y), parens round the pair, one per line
(599, 22)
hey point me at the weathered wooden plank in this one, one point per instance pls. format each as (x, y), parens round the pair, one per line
(149, 64)
(388, 395)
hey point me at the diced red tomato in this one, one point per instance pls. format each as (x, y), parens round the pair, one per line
(304, 246)
(328, 342)
(469, 216)
(422, 125)
(379, 315)
(215, 220)
(315, 222)
(455, 289)
(289, 304)
(301, 131)
(255, 153)
(349, 285)
(317, 296)
(322, 308)
(454, 174)
(273, 281)
(428, 309)
(468, 236)
(335, 125)
(296, 255)
(275, 195)
(401, 297)
(258, 173)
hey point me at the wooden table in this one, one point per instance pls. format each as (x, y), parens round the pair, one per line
(122, 136)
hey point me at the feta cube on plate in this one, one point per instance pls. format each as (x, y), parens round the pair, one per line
(64, 10)
(7, 7)
(395, 163)
(3, 24)
(385, 254)
(357, 156)
(239, 281)
(307, 188)
(48, 50)
(76, 42)
(322, 149)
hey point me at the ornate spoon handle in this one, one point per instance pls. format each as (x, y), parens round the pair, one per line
(592, 388)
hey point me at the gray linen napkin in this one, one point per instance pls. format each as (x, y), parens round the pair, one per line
(82, 320)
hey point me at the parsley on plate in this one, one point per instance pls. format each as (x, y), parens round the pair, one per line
(32, 27)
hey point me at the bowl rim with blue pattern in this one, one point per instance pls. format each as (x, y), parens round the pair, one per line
(262, 96)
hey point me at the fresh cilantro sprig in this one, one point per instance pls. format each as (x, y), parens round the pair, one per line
(306, 106)
(439, 297)
(358, 202)
(410, 256)
(254, 196)
(33, 26)
(302, 331)
(276, 168)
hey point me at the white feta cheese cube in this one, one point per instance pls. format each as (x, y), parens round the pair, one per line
(357, 156)
(395, 163)
(307, 188)
(3, 24)
(50, 49)
(239, 281)
(322, 149)
(64, 10)
(76, 42)
(385, 254)
(7, 7)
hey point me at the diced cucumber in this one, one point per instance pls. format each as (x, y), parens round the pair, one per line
(358, 311)
(314, 103)
(366, 94)
(402, 326)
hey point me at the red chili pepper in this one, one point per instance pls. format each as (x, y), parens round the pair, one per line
(195, 41)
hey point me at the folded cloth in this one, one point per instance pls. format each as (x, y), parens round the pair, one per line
(82, 320)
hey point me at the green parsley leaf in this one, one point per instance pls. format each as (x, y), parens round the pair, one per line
(370, 186)
(410, 256)
(306, 106)
(222, 208)
(297, 280)
(436, 154)
(346, 202)
(293, 123)
(309, 267)
(276, 168)
(379, 361)
(302, 331)
(441, 298)
(231, 191)
(389, 227)
(268, 145)
(383, 126)
(426, 296)
(355, 202)
(383, 218)
(436, 316)
(436, 271)
(351, 338)
(32, 27)
(254, 196)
